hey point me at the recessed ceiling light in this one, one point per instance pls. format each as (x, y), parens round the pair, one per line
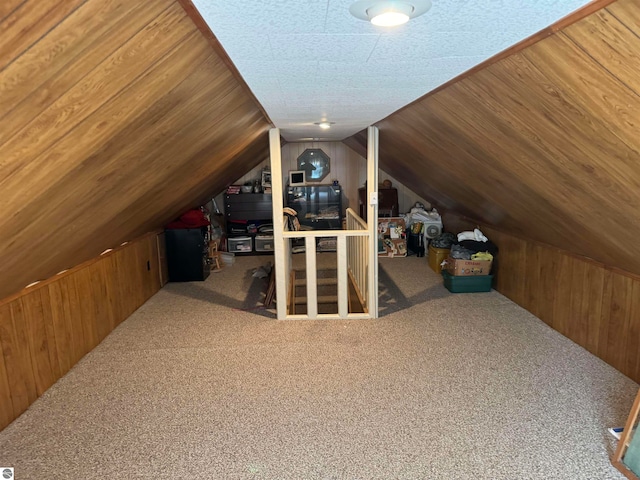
(324, 125)
(389, 13)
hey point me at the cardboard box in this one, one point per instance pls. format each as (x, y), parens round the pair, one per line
(392, 239)
(436, 256)
(458, 267)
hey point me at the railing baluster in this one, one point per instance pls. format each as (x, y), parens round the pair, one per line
(343, 286)
(312, 277)
(352, 245)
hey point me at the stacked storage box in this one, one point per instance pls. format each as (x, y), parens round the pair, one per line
(436, 257)
(240, 244)
(462, 276)
(264, 243)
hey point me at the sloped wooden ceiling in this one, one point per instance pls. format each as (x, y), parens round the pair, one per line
(543, 144)
(115, 116)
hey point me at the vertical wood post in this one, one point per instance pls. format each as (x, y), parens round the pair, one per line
(372, 219)
(312, 277)
(343, 285)
(282, 274)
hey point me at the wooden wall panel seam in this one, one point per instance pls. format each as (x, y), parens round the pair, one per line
(31, 359)
(570, 19)
(567, 165)
(83, 124)
(622, 21)
(61, 327)
(206, 32)
(6, 404)
(23, 390)
(67, 223)
(633, 342)
(592, 306)
(78, 57)
(73, 270)
(11, 12)
(67, 181)
(586, 95)
(13, 367)
(38, 343)
(96, 107)
(43, 35)
(600, 64)
(542, 144)
(483, 225)
(140, 122)
(50, 332)
(575, 96)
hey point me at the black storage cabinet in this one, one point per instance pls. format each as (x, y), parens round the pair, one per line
(245, 209)
(317, 206)
(187, 254)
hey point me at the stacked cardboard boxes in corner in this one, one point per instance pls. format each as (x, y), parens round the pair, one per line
(462, 276)
(459, 267)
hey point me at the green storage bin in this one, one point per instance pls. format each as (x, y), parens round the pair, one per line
(467, 283)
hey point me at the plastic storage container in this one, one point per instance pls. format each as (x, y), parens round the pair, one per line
(228, 258)
(240, 244)
(264, 243)
(436, 256)
(467, 284)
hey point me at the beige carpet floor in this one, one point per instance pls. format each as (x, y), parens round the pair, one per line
(203, 383)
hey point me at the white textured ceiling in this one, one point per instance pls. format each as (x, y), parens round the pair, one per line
(310, 60)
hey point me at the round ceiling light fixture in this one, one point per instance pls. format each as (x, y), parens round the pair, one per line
(324, 125)
(389, 13)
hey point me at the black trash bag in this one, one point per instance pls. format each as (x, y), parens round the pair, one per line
(444, 240)
(476, 246)
(460, 252)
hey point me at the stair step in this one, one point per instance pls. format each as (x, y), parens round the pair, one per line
(321, 299)
(320, 281)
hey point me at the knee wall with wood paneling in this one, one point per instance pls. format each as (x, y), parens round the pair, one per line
(595, 305)
(47, 328)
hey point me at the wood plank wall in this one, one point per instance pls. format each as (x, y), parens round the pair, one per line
(346, 166)
(116, 116)
(48, 327)
(543, 144)
(596, 306)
